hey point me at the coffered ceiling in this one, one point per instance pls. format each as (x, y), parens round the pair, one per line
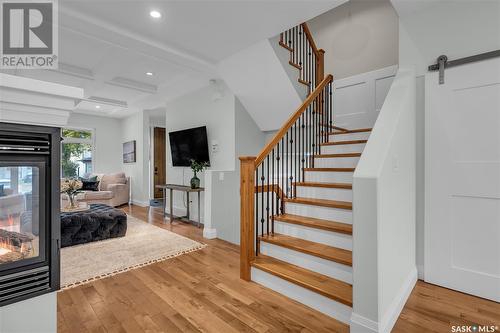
(107, 47)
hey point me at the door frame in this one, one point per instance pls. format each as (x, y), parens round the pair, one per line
(152, 159)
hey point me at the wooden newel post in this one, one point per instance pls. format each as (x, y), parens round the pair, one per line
(320, 75)
(247, 215)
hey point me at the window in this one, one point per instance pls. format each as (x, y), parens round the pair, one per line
(76, 153)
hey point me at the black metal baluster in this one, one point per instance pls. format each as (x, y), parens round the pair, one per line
(273, 192)
(286, 162)
(294, 149)
(257, 212)
(262, 178)
(267, 196)
(331, 105)
(283, 190)
(302, 159)
(278, 212)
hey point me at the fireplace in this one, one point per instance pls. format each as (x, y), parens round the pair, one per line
(29, 211)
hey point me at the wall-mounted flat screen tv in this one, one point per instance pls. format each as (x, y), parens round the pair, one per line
(189, 144)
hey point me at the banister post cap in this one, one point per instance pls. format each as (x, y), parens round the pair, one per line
(247, 158)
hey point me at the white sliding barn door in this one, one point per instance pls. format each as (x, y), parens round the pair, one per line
(462, 179)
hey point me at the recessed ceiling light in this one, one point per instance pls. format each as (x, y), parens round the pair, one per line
(149, 73)
(155, 14)
(97, 106)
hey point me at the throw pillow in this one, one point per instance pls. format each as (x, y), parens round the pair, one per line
(90, 184)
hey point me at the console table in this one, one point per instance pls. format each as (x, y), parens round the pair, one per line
(181, 188)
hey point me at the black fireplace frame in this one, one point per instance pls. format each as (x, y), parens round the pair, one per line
(33, 272)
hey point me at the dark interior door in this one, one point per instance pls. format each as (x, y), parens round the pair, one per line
(159, 159)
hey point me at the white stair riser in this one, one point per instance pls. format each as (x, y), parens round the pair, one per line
(326, 237)
(339, 149)
(319, 265)
(336, 162)
(328, 177)
(350, 136)
(326, 213)
(305, 296)
(324, 193)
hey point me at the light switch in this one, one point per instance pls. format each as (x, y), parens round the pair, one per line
(221, 176)
(215, 146)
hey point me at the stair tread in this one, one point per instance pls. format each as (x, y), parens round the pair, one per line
(312, 248)
(321, 202)
(329, 287)
(359, 130)
(326, 185)
(331, 169)
(348, 142)
(285, 46)
(337, 155)
(303, 82)
(312, 222)
(299, 67)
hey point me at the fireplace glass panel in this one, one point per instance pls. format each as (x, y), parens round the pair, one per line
(19, 213)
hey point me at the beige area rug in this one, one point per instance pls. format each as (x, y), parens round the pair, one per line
(143, 244)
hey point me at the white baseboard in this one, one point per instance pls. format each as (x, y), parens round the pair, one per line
(209, 233)
(140, 203)
(360, 324)
(392, 314)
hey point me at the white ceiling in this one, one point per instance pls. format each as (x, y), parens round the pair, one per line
(106, 47)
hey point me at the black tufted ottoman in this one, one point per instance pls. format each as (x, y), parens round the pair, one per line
(98, 223)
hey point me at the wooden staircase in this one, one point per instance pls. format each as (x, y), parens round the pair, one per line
(296, 197)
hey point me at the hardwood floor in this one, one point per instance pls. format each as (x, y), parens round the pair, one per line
(202, 292)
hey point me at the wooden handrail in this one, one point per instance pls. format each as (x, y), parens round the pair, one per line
(277, 137)
(311, 40)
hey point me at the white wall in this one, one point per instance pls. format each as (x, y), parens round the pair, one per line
(225, 210)
(38, 314)
(201, 109)
(257, 77)
(136, 127)
(358, 36)
(454, 28)
(107, 140)
(384, 213)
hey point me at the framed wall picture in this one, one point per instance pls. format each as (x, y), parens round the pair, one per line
(129, 152)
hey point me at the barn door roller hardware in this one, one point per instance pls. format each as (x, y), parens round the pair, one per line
(442, 62)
